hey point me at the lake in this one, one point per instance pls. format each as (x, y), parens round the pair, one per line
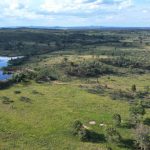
(3, 63)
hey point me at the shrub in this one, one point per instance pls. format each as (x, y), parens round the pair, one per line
(147, 121)
(137, 109)
(77, 127)
(117, 120)
(86, 135)
(36, 92)
(142, 134)
(6, 100)
(121, 95)
(47, 74)
(113, 136)
(17, 92)
(125, 62)
(19, 77)
(89, 69)
(23, 76)
(97, 90)
(146, 103)
(25, 99)
(133, 88)
(141, 94)
(136, 112)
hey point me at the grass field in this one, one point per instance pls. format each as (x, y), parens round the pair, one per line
(45, 122)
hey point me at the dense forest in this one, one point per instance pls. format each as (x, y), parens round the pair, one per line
(37, 41)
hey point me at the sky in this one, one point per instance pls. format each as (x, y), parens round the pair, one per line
(116, 13)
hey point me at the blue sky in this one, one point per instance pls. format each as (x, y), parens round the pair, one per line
(133, 13)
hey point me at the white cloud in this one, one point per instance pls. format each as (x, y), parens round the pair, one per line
(16, 9)
(83, 6)
(145, 11)
(125, 3)
(73, 12)
(14, 4)
(25, 9)
(57, 6)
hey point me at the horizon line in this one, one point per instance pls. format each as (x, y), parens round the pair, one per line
(90, 26)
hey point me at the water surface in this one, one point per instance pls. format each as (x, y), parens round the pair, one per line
(4, 63)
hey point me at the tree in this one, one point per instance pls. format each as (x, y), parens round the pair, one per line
(117, 120)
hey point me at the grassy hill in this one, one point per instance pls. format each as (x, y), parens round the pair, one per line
(91, 77)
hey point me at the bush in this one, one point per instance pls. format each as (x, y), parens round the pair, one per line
(19, 77)
(25, 99)
(125, 62)
(77, 126)
(36, 92)
(17, 92)
(133, 88)
(142, 134)
(113, 136)
(24, 76)
(121, 95)
(86, 135)
(97, 90)
(146, 103)
(6, 100)
(141, 94)
(136, 111)
(47, 74)
(89, 69)
(117, 120)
